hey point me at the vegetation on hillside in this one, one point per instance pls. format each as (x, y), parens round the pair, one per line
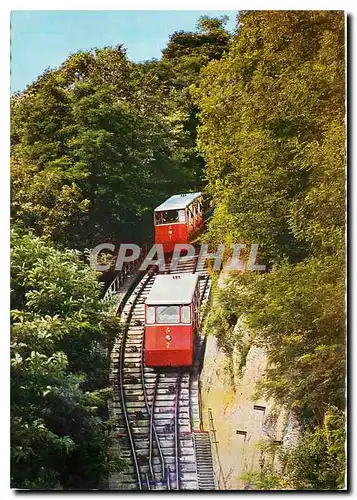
(60, 332)
(272, 132)
(99, 141)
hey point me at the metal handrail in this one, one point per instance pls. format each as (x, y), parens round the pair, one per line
(128, 267)
(215, 442)
(205, 286)
(177, 432)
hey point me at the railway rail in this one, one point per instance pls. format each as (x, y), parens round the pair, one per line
(157, 410)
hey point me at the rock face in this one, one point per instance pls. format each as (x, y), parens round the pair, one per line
(236, 420)
(239, 422)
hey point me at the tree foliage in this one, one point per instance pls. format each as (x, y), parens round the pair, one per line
(99, 141)
(210, 41)
(178, 70)
(59, 370)
(272, 132)
(106, 141)
(272, 112)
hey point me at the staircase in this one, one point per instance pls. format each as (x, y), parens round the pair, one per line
(204, 461)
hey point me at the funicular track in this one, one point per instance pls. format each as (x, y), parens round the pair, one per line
(159, 409)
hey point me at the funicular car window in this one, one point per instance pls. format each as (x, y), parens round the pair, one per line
(170, 216)
(185, 314)
(168, 314)
(181, 216)
(150, 314)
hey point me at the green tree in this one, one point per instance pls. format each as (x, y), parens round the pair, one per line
(45, 199)
(272, 132)
(265, 109)
(60, 432)
(209, 41)
(179, 68)
(107, 138)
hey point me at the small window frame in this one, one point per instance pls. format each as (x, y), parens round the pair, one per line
(157, 218)
(150, 308)
(175, 221)
(168, 322)
(146, 315)
(182, 216)
(189, 315)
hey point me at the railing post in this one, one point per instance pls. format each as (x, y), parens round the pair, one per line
(128, 268)
(215, 442)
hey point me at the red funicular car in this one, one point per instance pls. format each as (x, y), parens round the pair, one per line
(171, 320)
(178, 220)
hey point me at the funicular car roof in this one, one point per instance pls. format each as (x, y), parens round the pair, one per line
(172, 289)
(177, 202)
